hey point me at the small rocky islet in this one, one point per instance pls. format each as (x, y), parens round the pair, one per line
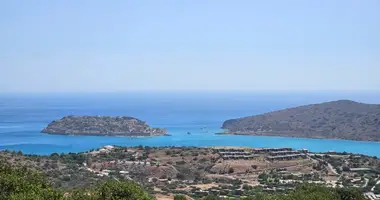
(102, 126)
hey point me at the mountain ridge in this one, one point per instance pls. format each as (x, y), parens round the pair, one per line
(341, 119)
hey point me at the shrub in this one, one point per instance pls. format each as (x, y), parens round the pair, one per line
(23, 184)
(246, 187)
(182, 162)
(180, 176)
(179, 197)
(210, 197)
(346, 169)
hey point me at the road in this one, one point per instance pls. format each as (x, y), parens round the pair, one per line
(365, 182)
(328, 164)
(332, 169)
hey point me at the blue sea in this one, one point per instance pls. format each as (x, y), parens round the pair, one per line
(22, 116)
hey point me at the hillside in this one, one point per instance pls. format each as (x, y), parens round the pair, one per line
(101, 125)
(341, 119)
(142, 173)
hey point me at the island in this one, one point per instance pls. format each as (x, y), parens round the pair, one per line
(102, 126)
(342, 119)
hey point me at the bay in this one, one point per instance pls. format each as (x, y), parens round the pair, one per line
(22, 116)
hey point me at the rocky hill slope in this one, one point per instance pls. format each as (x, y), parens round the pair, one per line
(99, 125)
(341, 119)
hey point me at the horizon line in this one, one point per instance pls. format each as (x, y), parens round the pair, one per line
(192, 91)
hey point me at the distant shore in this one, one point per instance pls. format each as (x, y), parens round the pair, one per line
(291, 136)
(342, 119)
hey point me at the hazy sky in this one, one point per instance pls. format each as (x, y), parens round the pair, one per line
(97, 45)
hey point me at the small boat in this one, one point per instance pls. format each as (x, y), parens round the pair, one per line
(188, 133)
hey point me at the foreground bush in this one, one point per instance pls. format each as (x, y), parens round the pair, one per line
(308, 192)
(179, 197)
(20, 183)
(24, 184)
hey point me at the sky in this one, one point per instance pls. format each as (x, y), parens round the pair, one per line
(124, 45)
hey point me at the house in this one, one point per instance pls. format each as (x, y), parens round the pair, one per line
(365, 170)
(287, 157)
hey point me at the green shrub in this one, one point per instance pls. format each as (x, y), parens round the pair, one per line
(179, 197)
(24, 184)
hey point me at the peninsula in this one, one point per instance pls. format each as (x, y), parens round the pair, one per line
(343, 119)
(102, 126)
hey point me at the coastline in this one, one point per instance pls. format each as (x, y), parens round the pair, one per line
(107, 135)
(290, 136)
(315, 145)
(198, 147)
(21, 128)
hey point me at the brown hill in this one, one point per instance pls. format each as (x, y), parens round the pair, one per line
(341, 119)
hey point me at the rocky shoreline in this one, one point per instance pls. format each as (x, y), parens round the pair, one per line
(102, 126)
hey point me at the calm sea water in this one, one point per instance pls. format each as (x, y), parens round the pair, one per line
(202, 114)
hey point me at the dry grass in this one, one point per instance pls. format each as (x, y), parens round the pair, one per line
(169, 197)
(164, 197)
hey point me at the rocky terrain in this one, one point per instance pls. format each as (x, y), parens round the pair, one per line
(197, 172)
(98, 125)
(341, 119)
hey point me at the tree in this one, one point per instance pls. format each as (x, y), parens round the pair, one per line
(47, 194)
(54, 156)
(114, 190)
(24, 184)
(346, 169)
(377, 189)
(210, 197)
(312, 192)
(263, 176)
(82, 194)
(180, 176)
(231, 170)
(89, 162)
(179, 197)
(21, 183)
(350, 194)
